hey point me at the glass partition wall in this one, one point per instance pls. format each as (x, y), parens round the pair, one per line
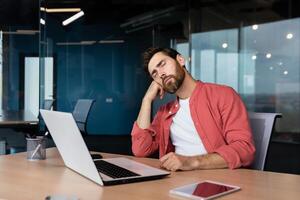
(260, 62)
(18, 56)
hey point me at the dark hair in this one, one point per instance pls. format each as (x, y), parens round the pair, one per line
(149, 53)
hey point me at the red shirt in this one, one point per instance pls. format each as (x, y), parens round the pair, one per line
(220, 118)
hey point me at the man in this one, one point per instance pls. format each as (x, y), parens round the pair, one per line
(206, 127)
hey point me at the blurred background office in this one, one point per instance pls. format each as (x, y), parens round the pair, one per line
(252, 46)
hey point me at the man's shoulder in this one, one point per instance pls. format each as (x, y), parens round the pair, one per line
(217, 88)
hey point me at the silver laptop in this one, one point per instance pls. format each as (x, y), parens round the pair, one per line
(77, 157)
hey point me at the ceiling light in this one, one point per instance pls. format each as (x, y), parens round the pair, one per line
(73, 18)
(76, 43)
(224, 45)
(88, 42)
(21, 32)
(59, 10)
(285, 72)
(271, 68)
(42, 21)
(254, 26)
(111, 41)
(268, 55)
(253, 57)
(27, 31)
(289, 36)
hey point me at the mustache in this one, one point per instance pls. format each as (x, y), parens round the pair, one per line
(167, 77)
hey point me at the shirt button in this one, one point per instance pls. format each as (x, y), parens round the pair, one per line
(170, 112)
(176, 105)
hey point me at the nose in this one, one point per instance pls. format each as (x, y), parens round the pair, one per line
(162, 74)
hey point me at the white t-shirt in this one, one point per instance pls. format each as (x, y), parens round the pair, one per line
(184, 135)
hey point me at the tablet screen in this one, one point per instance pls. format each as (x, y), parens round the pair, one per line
(207, 189)
(204, 190)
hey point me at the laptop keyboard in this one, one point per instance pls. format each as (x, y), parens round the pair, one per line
(112, 170)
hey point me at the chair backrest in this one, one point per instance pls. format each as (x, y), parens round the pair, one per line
(262, 125)
(81, 112)
(48, 103)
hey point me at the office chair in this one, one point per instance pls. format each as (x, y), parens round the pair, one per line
(262, 125)
(81, 112)
(48, 103)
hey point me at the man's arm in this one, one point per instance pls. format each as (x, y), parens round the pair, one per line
(144, 117)
(239, 150)
(174, 162)
(144, 133)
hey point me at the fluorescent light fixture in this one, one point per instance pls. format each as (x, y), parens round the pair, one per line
(59, 10)
(224, 45)
(254, 26)
(28, 31)
(90, 42)
(289, 36)
(268, 55)
(21, 32)
(76, 43)
(254, 57)
(73, 18)
(87, 42)
(111, 41)
(42, 21)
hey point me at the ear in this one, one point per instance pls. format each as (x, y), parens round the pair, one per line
(180, 59)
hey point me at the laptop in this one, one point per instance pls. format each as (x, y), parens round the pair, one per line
(76, 156)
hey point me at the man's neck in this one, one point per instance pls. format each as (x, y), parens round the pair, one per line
(187, 87)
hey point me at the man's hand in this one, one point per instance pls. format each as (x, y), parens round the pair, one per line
(154, 90)
(174, 162)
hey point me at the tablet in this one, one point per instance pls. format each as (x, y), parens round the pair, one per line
(204, 190)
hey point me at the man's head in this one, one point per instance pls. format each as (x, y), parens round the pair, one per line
(166, 67)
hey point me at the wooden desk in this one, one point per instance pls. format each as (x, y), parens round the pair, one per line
(22, 179)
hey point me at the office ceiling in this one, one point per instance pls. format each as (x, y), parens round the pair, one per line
(18, 12)
(25, 12)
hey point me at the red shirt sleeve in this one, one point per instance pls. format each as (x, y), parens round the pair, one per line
(146, 141)
(239, 149)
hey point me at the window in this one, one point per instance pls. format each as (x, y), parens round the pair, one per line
(262, 64)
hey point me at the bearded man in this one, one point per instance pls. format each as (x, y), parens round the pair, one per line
(206, 127)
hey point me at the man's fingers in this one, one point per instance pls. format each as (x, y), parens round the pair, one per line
(165, 157)
(168, 161)
(161, 92)
(171, 164)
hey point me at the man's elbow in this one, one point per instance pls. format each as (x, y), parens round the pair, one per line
(250, 157)
(138, 152)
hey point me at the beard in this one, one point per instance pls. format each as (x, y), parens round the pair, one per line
(172, 83)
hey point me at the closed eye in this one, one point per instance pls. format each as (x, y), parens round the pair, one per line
(154, 75)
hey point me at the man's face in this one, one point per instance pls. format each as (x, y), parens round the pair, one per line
(166, 71)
